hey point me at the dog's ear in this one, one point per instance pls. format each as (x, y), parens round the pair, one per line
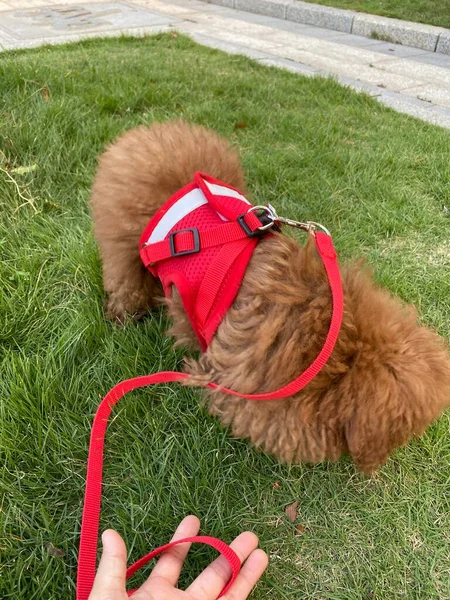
(379, 423)
(396, 396)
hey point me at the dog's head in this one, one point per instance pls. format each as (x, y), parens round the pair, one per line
(398, 382)
(385, 382)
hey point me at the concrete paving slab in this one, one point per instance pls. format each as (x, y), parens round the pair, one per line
(55, 40)
(196, 5)
(359, 86)
(320, 33)
(289, 65)
(6, 40)
(228, 47)
(355, 41)
(417, 70)
(434, 58)
(421, 111)
(440, 110)
(58, 21)
(397, 50)
(179, 9)
(168, 8)
(229, 37)
(358, 72)
(431, 94)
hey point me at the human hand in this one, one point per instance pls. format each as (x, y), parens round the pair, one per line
(109, 582)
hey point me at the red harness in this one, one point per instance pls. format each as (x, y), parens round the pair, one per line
(201, 241)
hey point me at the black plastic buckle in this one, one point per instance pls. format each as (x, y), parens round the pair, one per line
(193, 250)
(248, 232)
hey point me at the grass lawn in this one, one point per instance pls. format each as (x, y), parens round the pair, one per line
(379, 180)
(432, 12)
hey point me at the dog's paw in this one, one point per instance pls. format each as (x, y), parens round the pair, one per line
(119, 313)
(113, 313)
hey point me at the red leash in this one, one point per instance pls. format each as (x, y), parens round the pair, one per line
(92, 501)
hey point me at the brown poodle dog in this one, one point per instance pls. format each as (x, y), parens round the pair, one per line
(387, 379)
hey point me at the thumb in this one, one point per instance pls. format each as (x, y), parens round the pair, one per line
(110, 579)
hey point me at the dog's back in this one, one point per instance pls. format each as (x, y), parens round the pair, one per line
(135, 176)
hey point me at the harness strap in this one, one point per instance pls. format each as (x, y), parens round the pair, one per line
(217, 272)
(92, 501)
(189, 241)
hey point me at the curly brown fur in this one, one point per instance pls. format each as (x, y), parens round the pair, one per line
(387, 379)
(135, 177)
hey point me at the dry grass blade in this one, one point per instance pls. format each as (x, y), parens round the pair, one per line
(29, 201)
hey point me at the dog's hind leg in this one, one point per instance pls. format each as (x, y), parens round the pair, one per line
(132, 290)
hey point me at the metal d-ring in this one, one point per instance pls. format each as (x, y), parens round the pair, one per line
(269, 210)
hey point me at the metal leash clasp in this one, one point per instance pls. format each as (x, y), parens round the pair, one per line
(274, 219)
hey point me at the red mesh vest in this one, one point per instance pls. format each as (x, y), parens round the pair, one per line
(201, 241)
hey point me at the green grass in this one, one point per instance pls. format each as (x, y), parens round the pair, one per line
(432, 12)
(379, 180)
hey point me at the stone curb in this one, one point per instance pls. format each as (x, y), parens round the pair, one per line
(417, 35)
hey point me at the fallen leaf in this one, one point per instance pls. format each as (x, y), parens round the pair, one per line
(23, 170)
(291, 511)
(241, 125)
(45, 93)
(299, 529)
(53, 551)
(173, 35)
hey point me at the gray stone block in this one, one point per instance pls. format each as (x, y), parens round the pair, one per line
(270, 8)
(396, 31)
(321, 16)
(443, 44)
